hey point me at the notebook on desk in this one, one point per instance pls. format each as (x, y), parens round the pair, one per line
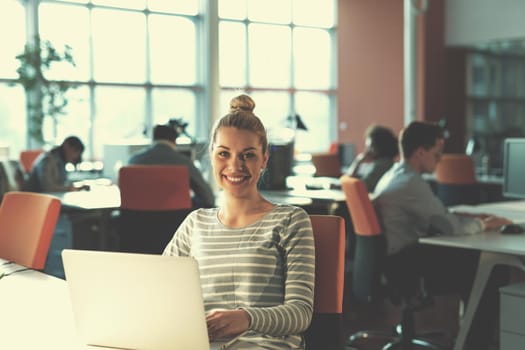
(136, 301)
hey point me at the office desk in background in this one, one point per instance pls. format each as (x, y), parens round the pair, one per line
(85, 222)
(313, 201)
(325, 192)
(489, 187)
(92, 212)
(495, 249)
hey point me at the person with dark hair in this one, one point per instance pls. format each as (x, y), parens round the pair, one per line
(379, 155)
(163, 152)
(408, 209)
(49, 169)
(256, 258)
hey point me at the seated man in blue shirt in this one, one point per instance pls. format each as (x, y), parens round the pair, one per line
(408, 209)
(162, 152)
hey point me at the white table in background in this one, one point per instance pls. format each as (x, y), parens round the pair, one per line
(495, 248)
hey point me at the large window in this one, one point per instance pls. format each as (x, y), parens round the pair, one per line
(130, 61)
(12, 98)
(142, 62)
(284, 59)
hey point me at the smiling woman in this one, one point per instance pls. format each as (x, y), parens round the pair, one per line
(256, 258)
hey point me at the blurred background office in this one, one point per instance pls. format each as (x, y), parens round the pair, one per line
(338, 64)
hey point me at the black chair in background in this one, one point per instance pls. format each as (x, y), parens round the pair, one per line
(376, 276)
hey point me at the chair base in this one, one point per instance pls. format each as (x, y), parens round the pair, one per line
(399, 339)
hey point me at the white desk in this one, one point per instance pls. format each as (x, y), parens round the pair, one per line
(91, 210)
(101, 196)
(495, 249)
(35, 313)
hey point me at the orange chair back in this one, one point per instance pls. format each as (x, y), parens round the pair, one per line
(362, 212)
(369, 242)
(457, 169)
(27, 223)
(329, 236)
(334, 148)
(27, 158)
(154, 187)
(326, 164)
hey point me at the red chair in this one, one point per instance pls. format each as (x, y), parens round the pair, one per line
(154, 201)
(326, 331)
(27, 223)
(27, 158)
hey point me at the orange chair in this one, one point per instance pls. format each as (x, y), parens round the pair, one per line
(326, 164)
(325, 331)
(333, 148)
(370, 265)
(369, 242)
(27, 223)
(154, 201)
(28, 157)
(456, 180)
(456, 169)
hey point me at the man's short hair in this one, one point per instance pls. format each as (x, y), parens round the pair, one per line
(74, 142)
(164, 132)
(419, 134)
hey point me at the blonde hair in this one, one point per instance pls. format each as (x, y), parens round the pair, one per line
(241, 117)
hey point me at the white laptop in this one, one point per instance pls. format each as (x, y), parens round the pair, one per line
(136, 301)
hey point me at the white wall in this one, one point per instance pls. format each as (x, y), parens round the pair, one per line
(470, 22)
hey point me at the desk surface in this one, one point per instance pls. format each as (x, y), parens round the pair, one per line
(36, 313)
(98, 197)
(495, 248)
(107, 196)
(492, 241)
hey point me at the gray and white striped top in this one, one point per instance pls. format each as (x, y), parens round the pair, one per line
(266, 268)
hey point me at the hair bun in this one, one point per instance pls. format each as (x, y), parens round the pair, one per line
(242, 103)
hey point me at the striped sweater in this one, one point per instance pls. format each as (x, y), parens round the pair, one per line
(266, 268)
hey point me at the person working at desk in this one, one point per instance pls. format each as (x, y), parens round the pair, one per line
(408, 209)
(256, 258)
(379, 155)
(162, 151)
(49, 169)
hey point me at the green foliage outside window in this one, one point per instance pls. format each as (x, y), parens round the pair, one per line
(45, 98)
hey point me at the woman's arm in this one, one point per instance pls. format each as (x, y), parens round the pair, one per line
(294, 315)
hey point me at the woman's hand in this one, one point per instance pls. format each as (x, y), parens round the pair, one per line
(225, 324)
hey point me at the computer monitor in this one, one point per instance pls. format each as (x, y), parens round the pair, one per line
(346, 152)
(117, 154)
(513, 169)
(187, 149)
(280, 162)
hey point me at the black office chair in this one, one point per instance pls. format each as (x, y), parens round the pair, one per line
(375, 275)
